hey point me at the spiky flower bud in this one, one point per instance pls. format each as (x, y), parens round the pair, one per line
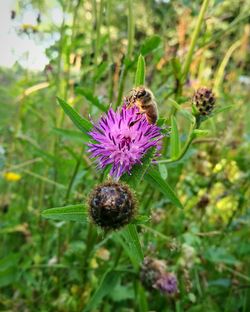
(112, 205)
(204, 101)
(153, 275)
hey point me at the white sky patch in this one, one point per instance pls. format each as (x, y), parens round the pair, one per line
(29, 51)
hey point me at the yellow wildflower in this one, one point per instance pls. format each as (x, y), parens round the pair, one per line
(12, 176)
(232, 171)
(93, 263)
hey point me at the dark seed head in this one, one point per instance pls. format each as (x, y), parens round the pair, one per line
(111, 205)
(204, 101)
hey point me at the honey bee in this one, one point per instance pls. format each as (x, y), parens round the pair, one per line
(144, 99)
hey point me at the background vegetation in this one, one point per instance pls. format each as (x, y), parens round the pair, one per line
(48, 265)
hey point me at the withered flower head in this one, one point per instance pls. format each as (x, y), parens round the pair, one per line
(153, 275)
(112, 205)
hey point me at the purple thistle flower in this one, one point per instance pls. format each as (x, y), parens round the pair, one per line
(167, 283)
(122, 139)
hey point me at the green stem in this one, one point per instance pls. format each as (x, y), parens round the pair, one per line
(124, 72)
(110, 54)
(72, 180)
(194, 38)
(131, 32)
(98, 35)
(131, 28)
(191, 136)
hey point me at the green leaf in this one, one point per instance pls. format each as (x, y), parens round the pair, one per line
(221, 110)
(156, 181)
(81, 123)
(140, 72)
(100, 71)
(150, 44)
(72, 135)
(129, 239)
(138, 171)
(219, 255)
(88, 94)
(176, 65)
(141, 219)
(107, 284)
(174, 139)
(163, 171)
(186, 114)
(200, 133)
(8, 269)
(67, 213)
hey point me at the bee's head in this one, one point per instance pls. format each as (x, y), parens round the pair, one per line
(141, 92)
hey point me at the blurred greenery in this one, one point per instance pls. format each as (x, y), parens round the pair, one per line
(98, 51)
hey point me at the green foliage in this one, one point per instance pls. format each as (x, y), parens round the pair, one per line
(97, 52)
(81, 123)
(140, 72)
(67, 213)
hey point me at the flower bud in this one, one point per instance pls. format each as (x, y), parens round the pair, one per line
(204, 101)
(111, 205)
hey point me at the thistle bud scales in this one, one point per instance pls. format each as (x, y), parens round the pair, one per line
(111, 205)
(204, 100)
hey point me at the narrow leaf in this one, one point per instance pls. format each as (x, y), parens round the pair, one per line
(154, 178)
(174, 139)
(88, 94)
(67, 213)
(81, 123)
(221, 110)
(107, 284)
(133, 246)
(185, 113)
(150, 44)
(140, 72)
(73, 135)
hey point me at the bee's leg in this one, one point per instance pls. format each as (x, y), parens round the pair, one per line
(135, 121)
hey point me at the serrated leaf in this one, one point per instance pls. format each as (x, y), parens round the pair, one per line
(154, 178)
(140, 72)
(174, 139)
(73, 135)
(106, 286)
(150, 44)
(88, 94)
(67, 213)
(81, 123)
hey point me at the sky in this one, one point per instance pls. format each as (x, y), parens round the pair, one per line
(27, 50)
